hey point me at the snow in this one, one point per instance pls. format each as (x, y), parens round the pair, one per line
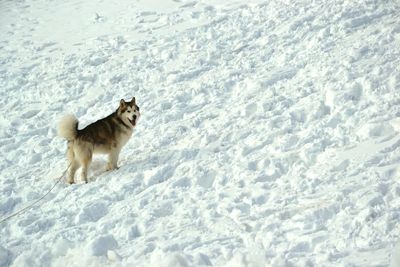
(269, 133)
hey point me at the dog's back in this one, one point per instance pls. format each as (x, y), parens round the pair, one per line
(105, 134)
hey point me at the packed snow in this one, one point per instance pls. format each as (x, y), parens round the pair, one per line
(269, 133)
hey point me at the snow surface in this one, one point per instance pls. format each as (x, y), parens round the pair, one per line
(269, 133)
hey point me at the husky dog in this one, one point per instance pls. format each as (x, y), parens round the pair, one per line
(106, 136)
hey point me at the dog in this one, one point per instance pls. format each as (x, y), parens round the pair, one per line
(105, 136)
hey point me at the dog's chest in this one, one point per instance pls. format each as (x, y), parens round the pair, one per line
(124, 138)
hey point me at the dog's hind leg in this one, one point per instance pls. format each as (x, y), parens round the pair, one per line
(83, 152)
(86, 160)
(74, 164)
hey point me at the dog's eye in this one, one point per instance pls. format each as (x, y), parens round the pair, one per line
(129, 111)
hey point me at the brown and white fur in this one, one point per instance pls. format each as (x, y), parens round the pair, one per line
(105, 136)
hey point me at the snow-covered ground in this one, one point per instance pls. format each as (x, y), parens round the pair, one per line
(269, 136)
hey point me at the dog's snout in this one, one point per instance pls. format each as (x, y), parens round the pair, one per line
(134, 117)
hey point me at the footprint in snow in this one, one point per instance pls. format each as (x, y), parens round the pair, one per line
(92, 213)
(206, 180)
(341, 166)
(158, 175)
(251, 109)
(183, 183)
(101, 245)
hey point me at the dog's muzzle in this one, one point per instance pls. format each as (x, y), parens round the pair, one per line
(133, 121)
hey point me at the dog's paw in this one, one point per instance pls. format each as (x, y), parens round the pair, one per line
(110, 168)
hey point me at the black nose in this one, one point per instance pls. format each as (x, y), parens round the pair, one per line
(134, 117)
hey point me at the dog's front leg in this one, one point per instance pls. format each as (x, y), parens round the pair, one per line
(113, 159)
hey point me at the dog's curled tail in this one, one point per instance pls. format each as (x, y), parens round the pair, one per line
(68, 127)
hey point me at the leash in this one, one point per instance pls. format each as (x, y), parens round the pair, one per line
(36, 201)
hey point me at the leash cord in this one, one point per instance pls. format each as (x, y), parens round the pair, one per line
(36, 201)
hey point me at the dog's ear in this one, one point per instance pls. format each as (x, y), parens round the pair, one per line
(122, 103)
(133, 100)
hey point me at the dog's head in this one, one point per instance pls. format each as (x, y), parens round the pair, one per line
(129, 112)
